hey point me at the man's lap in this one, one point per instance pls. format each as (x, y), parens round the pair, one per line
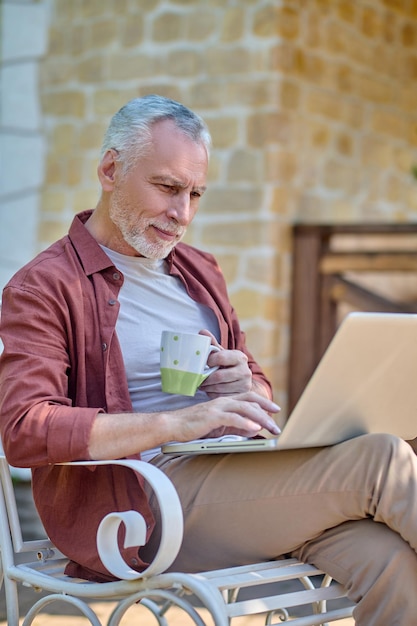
(244, 507)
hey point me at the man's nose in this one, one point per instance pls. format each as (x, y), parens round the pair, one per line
(180, 208)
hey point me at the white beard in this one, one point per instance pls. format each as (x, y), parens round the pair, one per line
(134, 233)
(150, 250)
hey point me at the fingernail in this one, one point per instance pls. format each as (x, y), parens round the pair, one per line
(275, 407)
(273, 428)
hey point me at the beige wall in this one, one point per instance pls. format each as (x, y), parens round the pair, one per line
(312, 105)
(23, 43)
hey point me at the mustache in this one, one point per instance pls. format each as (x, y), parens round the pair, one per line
(172, 230)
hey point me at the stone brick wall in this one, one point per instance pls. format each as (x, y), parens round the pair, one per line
(312, 105)
(23, 39)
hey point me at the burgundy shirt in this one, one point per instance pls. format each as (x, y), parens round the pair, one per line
(62, 364)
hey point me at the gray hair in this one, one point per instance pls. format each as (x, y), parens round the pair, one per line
(129, 131)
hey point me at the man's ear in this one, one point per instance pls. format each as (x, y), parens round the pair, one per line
(106, 170)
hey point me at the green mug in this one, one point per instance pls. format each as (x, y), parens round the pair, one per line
(183, 361)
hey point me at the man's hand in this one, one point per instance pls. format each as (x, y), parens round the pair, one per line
(233, 375)
(243, 414)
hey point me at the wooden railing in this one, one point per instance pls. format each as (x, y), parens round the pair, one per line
(327, 261)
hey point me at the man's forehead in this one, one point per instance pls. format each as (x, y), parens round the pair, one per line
(166, 130)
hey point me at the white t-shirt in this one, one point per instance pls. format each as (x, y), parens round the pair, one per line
(151, 300)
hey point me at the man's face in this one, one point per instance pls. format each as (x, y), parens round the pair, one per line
(154, 202)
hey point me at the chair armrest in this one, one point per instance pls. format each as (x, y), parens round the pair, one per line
(171, 520)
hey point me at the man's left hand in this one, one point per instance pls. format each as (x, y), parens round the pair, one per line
(233, 375)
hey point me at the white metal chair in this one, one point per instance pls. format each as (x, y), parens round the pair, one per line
(37, 563)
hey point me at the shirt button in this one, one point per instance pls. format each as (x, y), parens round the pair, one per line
(116, 276)
(112, 302)
(104, 346)
(134, 561)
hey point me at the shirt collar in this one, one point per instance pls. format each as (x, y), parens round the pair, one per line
(92, 257)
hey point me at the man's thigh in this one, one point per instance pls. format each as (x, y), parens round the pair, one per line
(240, 508)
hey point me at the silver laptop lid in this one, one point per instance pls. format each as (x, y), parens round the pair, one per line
(365, 382)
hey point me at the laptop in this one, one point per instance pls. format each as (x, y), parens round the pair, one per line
(366, 382)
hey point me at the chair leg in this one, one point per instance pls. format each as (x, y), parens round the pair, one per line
(12, 602)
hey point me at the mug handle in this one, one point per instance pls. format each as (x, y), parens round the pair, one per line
(209, 370)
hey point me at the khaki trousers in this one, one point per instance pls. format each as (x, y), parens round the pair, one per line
(350, 509)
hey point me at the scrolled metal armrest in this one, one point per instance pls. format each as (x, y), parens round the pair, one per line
(171, 521)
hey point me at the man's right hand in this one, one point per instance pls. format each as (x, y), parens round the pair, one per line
(244, 414)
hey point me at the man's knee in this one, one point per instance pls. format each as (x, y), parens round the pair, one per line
(359, 552)
(382, 447)
(381, 441)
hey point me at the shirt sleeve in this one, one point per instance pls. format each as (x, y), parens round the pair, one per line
(39, 424)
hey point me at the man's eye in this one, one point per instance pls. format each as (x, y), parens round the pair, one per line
(195, 194)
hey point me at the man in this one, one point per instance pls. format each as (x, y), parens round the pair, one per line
(79, 379)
